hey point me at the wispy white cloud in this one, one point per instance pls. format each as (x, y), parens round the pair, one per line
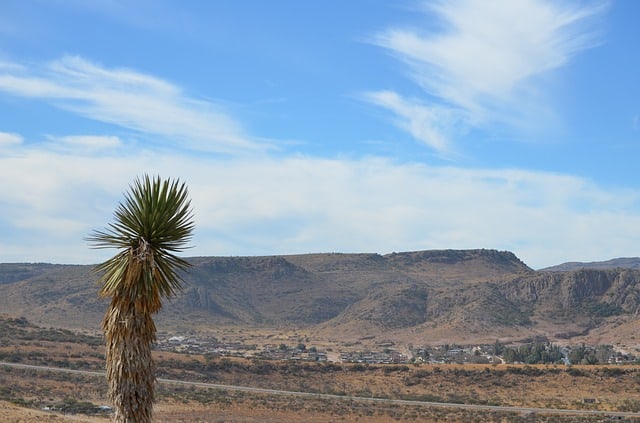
(483, 64)
(9, 66)
(86, 144)
(10, 139)
(431, 124)
(251, 206)
(134, 101)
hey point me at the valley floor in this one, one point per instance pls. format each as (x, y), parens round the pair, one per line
(585, 388)
(25, 391)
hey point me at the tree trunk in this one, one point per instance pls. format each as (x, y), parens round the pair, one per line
(129, 335)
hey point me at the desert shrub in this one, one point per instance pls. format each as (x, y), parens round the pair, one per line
(525, 370)
(613, 371)
(576, 372)
(392, 369)
(71, 405)
(630, 405)
(358, 368)
(264, 367)
(327, 368)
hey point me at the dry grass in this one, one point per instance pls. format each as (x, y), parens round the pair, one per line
(12, 413)
(612, 387)
(615, 388)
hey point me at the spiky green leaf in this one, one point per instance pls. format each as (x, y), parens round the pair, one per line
(151, 225)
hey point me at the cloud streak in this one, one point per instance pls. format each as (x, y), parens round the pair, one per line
(432, 125)
(300, 204)
(9, 139)
(132, 100)
(482, 66)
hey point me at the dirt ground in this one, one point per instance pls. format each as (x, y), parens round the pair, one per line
(11, 413)
(242, 413)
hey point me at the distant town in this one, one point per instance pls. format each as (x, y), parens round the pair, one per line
(538, 351)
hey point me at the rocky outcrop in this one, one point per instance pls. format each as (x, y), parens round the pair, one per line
(574, 289)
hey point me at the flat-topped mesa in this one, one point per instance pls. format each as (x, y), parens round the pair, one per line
(479, 263)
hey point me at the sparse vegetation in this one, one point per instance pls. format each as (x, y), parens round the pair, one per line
(467, 384)
(602, 309)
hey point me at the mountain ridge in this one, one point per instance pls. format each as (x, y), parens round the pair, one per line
(427, 296)
(620, 262)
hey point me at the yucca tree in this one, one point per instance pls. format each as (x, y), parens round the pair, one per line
(153, 223)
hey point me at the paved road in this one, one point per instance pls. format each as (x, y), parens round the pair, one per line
(343, 397)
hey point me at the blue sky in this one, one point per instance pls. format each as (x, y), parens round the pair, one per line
(300, 127)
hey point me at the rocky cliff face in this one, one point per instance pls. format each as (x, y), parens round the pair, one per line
(573, 289)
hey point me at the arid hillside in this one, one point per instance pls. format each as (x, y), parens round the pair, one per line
(439, 296)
